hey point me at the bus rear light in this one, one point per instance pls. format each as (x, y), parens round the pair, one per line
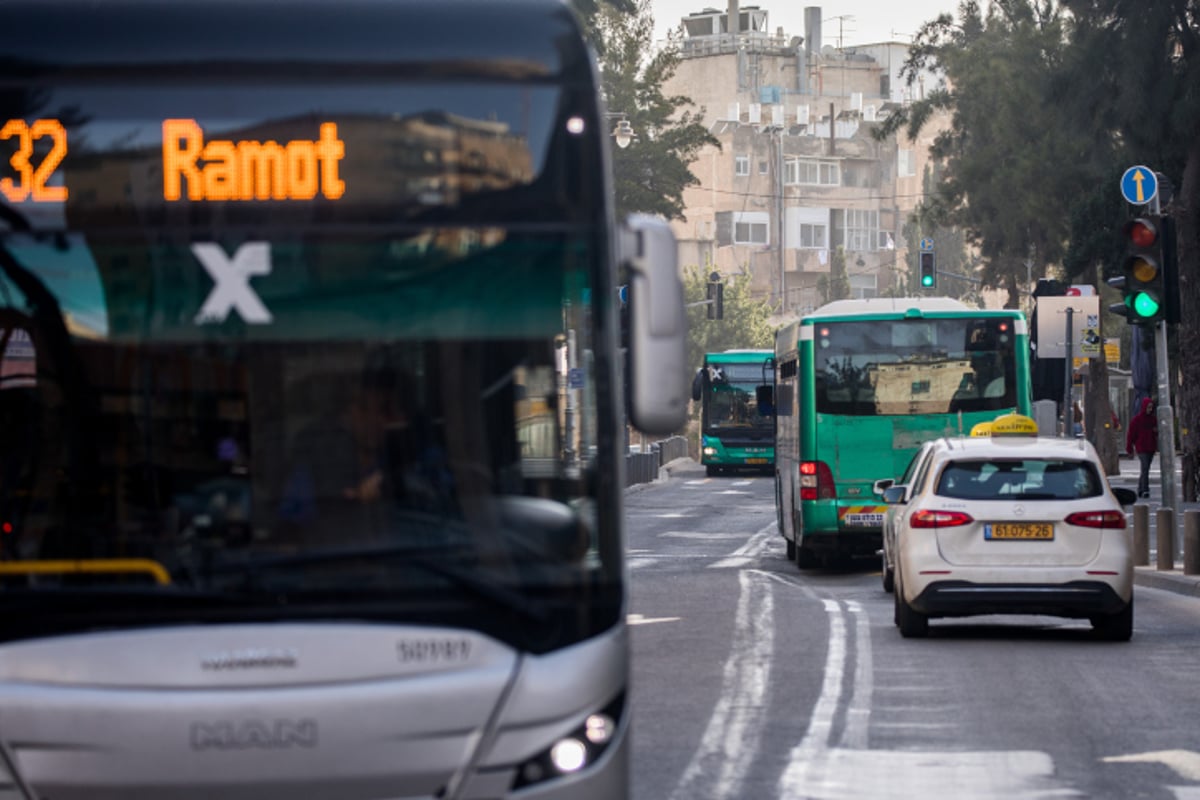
(816, 481)
(1097, 519)
(927, 518)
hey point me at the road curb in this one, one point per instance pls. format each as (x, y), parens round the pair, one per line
(1174, 581)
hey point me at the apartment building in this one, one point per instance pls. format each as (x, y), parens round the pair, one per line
(799, 173)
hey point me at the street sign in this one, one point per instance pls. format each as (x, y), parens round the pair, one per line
(1052, 324)
(1090, 342)
(926, 244)
(1139, 185)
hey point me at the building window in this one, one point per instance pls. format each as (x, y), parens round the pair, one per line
(750, 233)
(811, 172)
(862, 230)
(741, 166)
(762, 167)
(814, 237)
(864, 285)
(906, 164)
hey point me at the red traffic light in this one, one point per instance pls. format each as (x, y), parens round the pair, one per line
(1142, 232)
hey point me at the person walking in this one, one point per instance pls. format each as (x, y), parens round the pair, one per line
(1141, 438)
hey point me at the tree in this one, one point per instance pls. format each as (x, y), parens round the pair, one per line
(745, 324)
(1138, 65)
(1013, 151)
(837, 285)
(649, 175)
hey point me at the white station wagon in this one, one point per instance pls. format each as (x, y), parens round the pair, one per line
(1008, 525)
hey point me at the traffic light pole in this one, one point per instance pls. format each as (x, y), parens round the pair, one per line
(1166, 428)
(1166, 420)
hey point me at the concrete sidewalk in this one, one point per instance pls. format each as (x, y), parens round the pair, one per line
(1168, 580)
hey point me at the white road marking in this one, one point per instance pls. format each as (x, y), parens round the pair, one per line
(698, 535)
(731, 738)
(638, 619)
(747, 554)
(1185, 762)
(821, 769)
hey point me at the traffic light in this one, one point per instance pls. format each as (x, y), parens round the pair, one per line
(716, 297)
(928, 270)
(1142, 279)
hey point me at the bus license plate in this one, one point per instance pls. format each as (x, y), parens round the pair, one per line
(756, 461)
(863, 520)
(1018, 530)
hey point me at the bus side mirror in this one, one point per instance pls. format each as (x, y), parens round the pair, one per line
(764, 398)
(657, 326)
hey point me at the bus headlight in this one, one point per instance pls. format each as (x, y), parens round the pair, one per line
(575, 751)
(710, 451)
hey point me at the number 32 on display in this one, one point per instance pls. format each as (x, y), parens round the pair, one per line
(31, 178)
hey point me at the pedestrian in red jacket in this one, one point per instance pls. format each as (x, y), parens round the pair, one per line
(1142, 438)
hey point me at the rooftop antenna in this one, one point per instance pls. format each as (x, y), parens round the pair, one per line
(841, 22)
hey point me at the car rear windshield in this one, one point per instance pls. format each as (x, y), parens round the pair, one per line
(1027, 479)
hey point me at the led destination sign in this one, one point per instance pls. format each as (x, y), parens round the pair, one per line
(214, 170)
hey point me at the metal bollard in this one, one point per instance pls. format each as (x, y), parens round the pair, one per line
(1165, 522)
(1191, 542)
(1141, 535)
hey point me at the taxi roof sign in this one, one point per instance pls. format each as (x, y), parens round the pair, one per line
(982, 429)
(1014, 425)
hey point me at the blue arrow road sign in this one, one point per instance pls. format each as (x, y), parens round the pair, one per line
(1139, 185)
(927, 244)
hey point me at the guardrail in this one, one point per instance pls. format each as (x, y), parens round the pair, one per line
(643, 467)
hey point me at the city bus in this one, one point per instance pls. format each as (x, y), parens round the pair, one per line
(860, 385)
(313, 399)
(737, 418)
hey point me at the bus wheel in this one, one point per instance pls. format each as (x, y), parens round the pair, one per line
(805, 557)
(712, 469)
(791, 550)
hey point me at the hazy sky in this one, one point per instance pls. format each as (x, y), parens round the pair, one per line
(865, 21)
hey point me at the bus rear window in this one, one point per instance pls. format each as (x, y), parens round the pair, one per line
(910, 367)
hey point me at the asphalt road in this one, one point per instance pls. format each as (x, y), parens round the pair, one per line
(754, 679)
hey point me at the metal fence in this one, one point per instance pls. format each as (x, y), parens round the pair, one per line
(643, 467)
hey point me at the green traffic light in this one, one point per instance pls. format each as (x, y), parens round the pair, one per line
(1145, 305)
(927, 281)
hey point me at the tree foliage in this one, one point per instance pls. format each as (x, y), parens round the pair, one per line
(746, 323)
(649, 175)
(1014, 150)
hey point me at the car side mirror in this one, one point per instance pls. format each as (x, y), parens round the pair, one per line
(881, 485)
(894, 494)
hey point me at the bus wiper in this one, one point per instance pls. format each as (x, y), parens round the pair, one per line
(424, 558)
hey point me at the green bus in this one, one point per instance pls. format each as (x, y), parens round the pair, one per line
(860, 385)
(737, 415)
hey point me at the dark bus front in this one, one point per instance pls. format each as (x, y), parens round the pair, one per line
(296, 495)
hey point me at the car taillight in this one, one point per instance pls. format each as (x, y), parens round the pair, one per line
(926, 518)
(816, 481)
(1097, 519)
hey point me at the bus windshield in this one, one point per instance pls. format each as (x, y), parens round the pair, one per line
(276, 362)
(733, 399)
(914, 367)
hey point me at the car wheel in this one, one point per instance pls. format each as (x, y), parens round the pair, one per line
(913, 624)
(889, 575)
(711, 470)
(791, 550)
(1115, 627)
